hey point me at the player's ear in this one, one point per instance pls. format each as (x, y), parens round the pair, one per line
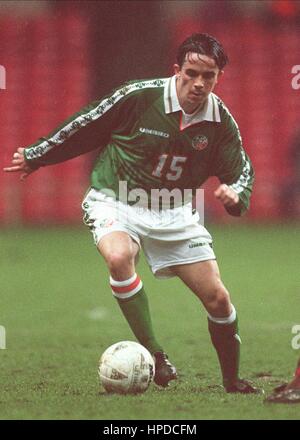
(176, 69)
(219, 76)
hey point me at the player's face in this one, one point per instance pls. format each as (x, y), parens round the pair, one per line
(196, 78)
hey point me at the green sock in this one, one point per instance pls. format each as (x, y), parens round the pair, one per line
(137, 313)
(227, 344)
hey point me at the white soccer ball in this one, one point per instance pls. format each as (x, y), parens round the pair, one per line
(126, 368)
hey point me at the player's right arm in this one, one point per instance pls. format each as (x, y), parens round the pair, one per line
(87, 130)
(19, 164)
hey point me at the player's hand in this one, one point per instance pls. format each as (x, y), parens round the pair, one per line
(19, 164)
(226, 195)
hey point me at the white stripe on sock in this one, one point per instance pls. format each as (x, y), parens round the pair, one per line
(122, 283)
(227, 320)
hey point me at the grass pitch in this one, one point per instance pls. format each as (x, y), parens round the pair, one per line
(59, 317)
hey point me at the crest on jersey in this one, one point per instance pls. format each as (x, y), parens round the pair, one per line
(199, 142)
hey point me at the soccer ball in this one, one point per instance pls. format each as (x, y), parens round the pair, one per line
(126, 368)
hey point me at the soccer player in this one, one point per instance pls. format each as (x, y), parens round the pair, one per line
(287, 393)
(158, 137)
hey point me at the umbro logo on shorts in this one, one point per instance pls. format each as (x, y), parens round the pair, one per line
(154, 132)
(193, 245)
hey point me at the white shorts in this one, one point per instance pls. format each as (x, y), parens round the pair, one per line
(168, 237)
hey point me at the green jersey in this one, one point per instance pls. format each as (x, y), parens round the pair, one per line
(146, 139)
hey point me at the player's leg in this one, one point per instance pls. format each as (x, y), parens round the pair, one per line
(203, 278)
(114, 227)
(119, 251)
(109, 223)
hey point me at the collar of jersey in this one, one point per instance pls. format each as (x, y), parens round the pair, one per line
(210, 112)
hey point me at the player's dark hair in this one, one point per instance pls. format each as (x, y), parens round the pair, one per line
(203, 44)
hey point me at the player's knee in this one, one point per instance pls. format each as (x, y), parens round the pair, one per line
(223, 301)
(119, 260)
(219, 300)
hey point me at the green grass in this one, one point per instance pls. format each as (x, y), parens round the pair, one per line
(59, 317)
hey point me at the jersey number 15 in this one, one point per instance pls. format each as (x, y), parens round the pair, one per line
(175, 170)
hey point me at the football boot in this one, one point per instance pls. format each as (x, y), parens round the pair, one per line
(164, 370)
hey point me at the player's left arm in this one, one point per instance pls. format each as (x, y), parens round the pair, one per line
(234, 169)
(227, 196)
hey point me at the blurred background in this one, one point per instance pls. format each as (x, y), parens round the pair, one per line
(56, 304)
(59, 55)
